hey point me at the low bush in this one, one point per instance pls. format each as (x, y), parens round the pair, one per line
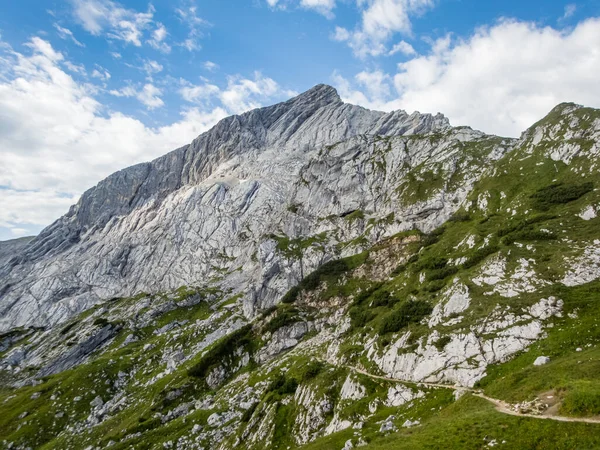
(431, 263)
(441, 343)
(329, 270)
(311, 370)
(560, 193)
(442, 274)
(248, 413)
(283, 318)
(528, 235)
(220, 351)
(282, 385)
(411, 311)
(359, 317)
(434, 286)
(101, 322)
(460, 216)
(479, 255)
(524, 224)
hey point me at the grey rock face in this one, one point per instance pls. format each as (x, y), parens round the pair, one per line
(209, 210)
(12, 248)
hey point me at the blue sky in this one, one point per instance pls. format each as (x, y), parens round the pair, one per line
(90, 86)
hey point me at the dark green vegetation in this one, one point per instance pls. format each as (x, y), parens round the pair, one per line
(221, 351)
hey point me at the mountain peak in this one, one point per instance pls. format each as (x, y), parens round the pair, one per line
(321, 93)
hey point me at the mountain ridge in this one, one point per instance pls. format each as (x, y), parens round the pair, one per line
(407, 290)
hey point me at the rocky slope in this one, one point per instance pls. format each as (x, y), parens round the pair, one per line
(203, 211)
(317, 275)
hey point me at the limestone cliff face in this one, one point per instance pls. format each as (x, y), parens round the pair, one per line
(206, 213)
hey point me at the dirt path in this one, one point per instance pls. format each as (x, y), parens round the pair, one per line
(500, 405)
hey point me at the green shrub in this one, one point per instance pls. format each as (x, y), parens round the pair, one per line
(359, 317)
(411, 311)
(291, 296)
(524, 224)
(68, 328)
(442, 274)
(331, 269)
(382, 298)
(528, 235)
(479, 255)
(282, 319)
(441, 343)
(559, 193)
(431, 263)
(101, 322)
(220, 351)
(460, 216)
(282, 385)
(311, 370)
(366, 294)
(434, 286)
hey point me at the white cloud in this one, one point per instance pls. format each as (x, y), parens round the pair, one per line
(199, 93)
(158, 39)
(196, 24)
(380, 20)
(240, 95)
(152, 67)
(341, 34)
(210, 66)
(500, 80)
(324, 7)
(101, 73)
(75, 68)
(65, 33)
(403, 47)
(149, 95)
(56, 139)
(569, 11)
(99, 16)
(116, 55)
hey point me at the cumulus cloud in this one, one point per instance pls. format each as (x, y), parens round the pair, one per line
(118, 22)
(501, 80)
(380, 20)
(240, 95)
(56, 139)
(402, 47)
(210, 66)
(158, 39)
(149, 95)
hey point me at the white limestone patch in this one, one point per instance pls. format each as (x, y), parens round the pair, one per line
(492, 272)
(463, 360)
(585, 268)
(455, 300)
(588, 213)
(523, 279)
(352, 390)
(468, 241)
(400, 394)
(310, 419)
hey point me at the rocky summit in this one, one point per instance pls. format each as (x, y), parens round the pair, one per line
(317, 275)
